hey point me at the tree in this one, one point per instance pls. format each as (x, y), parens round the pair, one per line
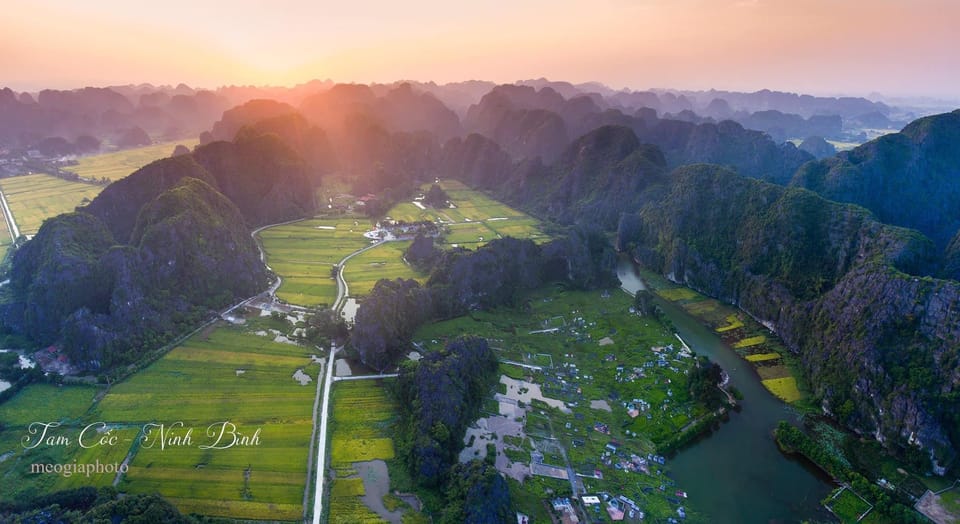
(477, 494)
(703, 383)
(436, 196)
(387, 318)
(643, 302)
(324, 325)
(422, 254)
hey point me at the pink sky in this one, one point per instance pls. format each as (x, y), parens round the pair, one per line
(896, 47)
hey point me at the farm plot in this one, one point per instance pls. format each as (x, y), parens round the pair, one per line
(35, 198)
(751, 340)
(47, 403)
(236, 392)
(384, 261)
(116, 165)
(363, 413)
(847, 506)
(304, 253)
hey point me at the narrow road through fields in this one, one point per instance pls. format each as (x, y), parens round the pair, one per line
(342, 291)
(367, 377)
(8, 218)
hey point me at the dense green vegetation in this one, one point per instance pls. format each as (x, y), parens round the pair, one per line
(155, 252)
(907, 178)
(91, 505)
(599, 384)
(828, 452)
(440, 395)
(109, 305)
(783, 256)
(498, 273)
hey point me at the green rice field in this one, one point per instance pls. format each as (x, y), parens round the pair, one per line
(5, 241)
(384, 261)
(236, 391)
(303, 254)
(35, 198)
(119, 164)
(474, 219)
(363, 412)
(47, 404)
(226, 388)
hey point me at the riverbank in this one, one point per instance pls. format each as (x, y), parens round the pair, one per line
(737, 474)
(778, 368)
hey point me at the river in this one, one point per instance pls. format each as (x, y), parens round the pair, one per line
(737, 474)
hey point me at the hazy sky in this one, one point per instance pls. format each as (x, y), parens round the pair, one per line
(895, 47)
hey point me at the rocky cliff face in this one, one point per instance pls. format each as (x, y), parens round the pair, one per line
(107, 303)
(879, 344)
(910, 179)
(118, 205)
(600, 175)
(155, 252)
(264, 177)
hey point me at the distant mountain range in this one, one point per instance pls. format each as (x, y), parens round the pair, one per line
(167, 112)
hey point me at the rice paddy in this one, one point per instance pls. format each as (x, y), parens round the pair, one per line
(784, 388)
(5, 241)
(304, 253)
(236, 426)
(747, 337)
(762, 357)
(35, 198)
(116, 165)
(384, 261)
(47, 404)
(474, 218)
(750, 342)
(363, 412)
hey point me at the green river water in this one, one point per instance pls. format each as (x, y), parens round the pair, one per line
(737, 474)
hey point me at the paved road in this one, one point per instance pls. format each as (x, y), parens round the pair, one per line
(322, 440)
(342, 291)
(367, 377)
(8, 218)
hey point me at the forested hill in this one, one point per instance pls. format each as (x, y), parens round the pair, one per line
(156, 252)
(844, 291)
(910, 178)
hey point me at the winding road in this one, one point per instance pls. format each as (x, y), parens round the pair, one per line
(342, 292)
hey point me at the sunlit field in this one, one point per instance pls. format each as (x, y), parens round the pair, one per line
(35, 198)
(119, 164)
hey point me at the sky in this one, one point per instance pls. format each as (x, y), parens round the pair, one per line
(893, 47)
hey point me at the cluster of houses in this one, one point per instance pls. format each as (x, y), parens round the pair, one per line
(20, 162)
(388, 229)
(617, 507)
(50, 359)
